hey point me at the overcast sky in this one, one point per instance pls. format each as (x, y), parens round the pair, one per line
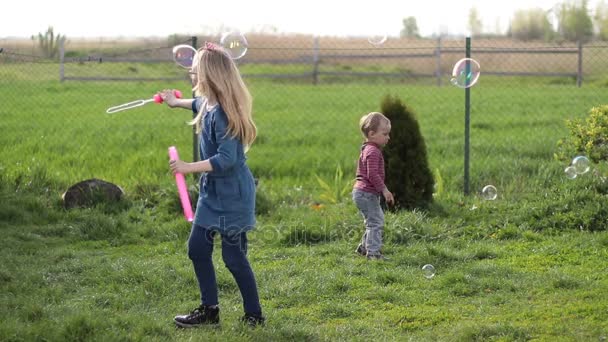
(116, 18)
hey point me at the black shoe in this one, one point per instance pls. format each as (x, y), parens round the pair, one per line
(199, 316)
(253, 320)
(361, 250)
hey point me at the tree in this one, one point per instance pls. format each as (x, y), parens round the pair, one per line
(497, 28)
(474, 25)
(408, 175)
(48, 43)
(601, 20)
(531, 24)
(410, 28)
(574, 21)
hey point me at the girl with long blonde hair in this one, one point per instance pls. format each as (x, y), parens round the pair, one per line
(226, 202)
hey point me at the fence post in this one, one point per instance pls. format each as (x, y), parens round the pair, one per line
(579, 72)
(438, 61)
(61, 60)
(315, 61)
(195, 142)
(467, 120)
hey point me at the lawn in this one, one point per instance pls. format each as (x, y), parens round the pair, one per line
(527, 266)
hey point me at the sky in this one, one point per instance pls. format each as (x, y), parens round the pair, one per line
(136, 18)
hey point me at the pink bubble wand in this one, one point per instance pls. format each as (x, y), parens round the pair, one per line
(137, 103)
(181, 187)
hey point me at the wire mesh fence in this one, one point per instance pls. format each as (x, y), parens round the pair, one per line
(308, 96)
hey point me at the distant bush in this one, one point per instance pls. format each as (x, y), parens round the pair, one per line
(49, 43)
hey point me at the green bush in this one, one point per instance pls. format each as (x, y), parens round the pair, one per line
(580, 209)
(408, 175)
(335, 190)
(589, 137)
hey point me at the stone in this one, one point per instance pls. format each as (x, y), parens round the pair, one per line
(91, 192)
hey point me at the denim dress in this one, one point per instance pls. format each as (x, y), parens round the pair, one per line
(226, 201)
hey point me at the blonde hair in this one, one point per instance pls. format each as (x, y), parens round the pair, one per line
(371, 122)
(219, 79)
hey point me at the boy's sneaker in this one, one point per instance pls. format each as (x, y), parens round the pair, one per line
(361, 250)
(375, 256)
(253, 320)
(199, 316)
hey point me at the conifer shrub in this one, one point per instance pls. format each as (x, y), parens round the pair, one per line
(408, 175)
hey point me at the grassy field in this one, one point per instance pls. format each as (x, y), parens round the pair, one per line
(528, 266)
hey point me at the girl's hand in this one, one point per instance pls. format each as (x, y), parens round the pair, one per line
(179, 166)
(168, 96)
(388, 196)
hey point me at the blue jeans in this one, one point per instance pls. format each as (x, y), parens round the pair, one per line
(373, 217)
(234, 253)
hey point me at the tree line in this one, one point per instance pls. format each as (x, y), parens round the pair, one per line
(572, 20)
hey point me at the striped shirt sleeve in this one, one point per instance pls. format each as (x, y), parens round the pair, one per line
(375, 167)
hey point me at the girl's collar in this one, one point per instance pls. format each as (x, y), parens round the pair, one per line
(209, 107)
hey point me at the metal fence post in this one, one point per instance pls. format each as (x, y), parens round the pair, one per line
(315, 61)
(467, 120)
(579, 72)
(61, 60)
(438, 61)
(195, 156)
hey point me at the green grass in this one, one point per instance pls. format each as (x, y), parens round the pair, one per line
(64, 128)
(528, 266)
(105, 275)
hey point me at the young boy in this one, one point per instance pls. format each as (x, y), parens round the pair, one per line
(369, 184)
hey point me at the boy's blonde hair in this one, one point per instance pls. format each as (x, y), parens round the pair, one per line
(218, 78)
(371, 122)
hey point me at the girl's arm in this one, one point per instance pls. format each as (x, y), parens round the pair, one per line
(187, 168)
(181, 103)
(169, 98)
(226, 155)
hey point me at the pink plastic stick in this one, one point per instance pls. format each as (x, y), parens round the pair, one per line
(181, 187)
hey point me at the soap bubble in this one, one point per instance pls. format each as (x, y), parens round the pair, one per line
(377, 40)
(570, 172)
(428, 270)
(489, 192)
(183, 55)
(235, 43)
(465, 73)
(581, 164)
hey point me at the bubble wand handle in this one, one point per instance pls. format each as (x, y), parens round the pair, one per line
(181, 188)
(156, 98)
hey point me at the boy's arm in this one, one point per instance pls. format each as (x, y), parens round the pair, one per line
(388, 196)
(373, 172)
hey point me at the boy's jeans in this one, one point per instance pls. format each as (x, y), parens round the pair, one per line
(373, 216)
